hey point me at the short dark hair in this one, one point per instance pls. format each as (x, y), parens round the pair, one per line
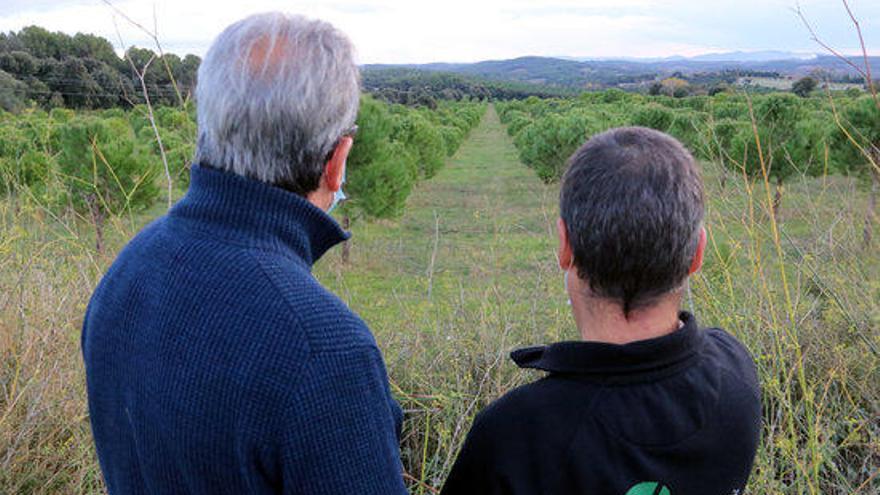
(632, 202)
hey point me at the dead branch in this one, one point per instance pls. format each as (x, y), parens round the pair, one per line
(141, 75)
(154, 35)
(865, 71)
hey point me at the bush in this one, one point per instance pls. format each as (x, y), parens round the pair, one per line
(13, 93)
(653, 116)
(416, 133)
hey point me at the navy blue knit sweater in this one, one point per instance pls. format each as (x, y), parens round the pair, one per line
(216, 363)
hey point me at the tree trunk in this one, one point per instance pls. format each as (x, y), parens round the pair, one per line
(868, 232)
(98, 220)
(346, 246)
(777, 200)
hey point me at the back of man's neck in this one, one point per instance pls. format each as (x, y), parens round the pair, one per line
(604, 321)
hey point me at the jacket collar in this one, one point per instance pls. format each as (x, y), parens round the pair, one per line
(255, 214)
(611, 362)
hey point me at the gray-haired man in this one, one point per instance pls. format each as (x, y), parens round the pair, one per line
(215, 362)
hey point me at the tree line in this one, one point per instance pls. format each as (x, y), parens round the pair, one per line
(83, 71)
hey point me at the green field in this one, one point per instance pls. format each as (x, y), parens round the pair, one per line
(469, 273)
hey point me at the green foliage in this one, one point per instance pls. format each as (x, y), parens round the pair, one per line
(778, 110)
(726, 106)
(452, 137)
(722, 134)
(416, 87)
(546, 144)
(416, 133)
(178, 131)
(25, 158)
(378, 182)
(798, 136)
(102, 163)
(454, 121)
(397, 146)
(791, 140)
(804, 86)
(12, 93)
(380, 190)
(653, 116)
(84, 72)
(103, 168)
(61, 115)
(614, 96)
(861, 120)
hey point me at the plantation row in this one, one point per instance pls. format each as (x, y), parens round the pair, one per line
(397, 146)
(109, 162)
(795, 136)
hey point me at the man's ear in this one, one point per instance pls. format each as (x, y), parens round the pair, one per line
(565, 255)
(697, 262)
(334, 170)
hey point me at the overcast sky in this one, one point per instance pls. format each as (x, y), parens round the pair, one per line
(406, 31)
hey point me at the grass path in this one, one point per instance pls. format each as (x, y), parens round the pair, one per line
(483, 227)
(467, 274)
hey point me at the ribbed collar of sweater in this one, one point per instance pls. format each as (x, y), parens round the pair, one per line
(248, 212)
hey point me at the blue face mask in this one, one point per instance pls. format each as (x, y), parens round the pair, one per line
(339, 196)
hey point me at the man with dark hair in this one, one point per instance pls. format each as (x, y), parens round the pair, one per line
(647, 403)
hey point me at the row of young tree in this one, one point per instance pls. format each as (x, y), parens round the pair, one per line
(98, 164)
(53, 70)
(779, 135)
(397, 146)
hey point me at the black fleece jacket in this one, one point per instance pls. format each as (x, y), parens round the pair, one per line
(676, 415)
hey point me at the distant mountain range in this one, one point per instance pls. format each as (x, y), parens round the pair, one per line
(738, 56)
(579, 73)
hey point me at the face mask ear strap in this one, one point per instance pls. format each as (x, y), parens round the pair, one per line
(339, 196)
(565, 286)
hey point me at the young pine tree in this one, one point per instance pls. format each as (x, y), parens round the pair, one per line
(103, 170)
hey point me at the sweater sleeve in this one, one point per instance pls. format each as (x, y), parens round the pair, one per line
(341, 432)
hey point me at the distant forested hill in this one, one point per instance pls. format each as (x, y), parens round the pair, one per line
(84, 71)
(605, 73)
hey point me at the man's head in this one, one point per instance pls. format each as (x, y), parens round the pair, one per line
(631, 217)
(276, 96)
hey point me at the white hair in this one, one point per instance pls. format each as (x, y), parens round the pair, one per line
(275, 93)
